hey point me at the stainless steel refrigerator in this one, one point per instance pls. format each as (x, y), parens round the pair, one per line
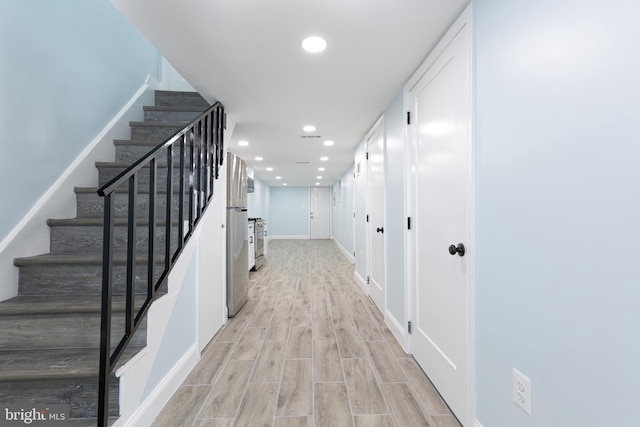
(237, 234)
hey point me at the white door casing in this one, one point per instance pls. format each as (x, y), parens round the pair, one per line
(320, 213)
(375, 210)
(440, 105)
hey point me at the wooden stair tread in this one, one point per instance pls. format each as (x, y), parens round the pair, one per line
(194, 108)
(94, 222)
(63, 259)
(144, 142)
(46, 364)
(150, 123)
(123, 190)
(61, 304)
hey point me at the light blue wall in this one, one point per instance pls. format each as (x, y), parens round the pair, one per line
(258, 202)
(359, 204)
(342, 211)
(68, 66)
(289, 211)
(180, 333)
(558, 178)
(395, 221)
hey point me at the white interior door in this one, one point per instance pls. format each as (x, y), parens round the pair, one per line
(440, 103)
(320, 213)
(375, 210)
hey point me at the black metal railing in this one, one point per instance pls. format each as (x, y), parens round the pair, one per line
(199, 150)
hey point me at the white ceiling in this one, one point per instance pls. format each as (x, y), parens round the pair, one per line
(247, 54)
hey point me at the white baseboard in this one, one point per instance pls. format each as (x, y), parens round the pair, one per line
(160, 396)
(290, 237)
(346, 253)
(362, 282)
(476, 423)
(31, 235)
(398, 330)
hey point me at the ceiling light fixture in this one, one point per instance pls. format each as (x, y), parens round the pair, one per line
(328, 143)
(243, 143)
(309, 128)
(314, 44)
(259, 159)
(317, 183)
(278, 177)
(284, 183)
(324, 158)
(269, 169)
(319, 177)
(321, 169)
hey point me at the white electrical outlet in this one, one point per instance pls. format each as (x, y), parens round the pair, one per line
(522, 391)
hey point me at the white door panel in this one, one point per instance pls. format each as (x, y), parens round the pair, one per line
(320, 213)
(375, 209)
(441, 129)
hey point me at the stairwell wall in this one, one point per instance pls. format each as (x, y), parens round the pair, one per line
(69, 68)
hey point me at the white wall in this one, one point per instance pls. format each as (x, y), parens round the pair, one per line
(258, 202)
(360, 205)
(342, 213)
(395, 220)
(558, 102)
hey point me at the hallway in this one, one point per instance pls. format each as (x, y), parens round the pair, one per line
(307, 349)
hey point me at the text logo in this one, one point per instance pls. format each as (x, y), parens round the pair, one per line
(34, 415)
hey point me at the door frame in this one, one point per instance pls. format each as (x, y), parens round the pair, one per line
(378, 126)
(464, 20)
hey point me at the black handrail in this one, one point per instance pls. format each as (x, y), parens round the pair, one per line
(204, 137)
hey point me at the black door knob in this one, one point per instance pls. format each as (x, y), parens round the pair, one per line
(460, 250)
(380, 230)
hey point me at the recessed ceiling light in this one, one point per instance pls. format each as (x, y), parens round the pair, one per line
(317, 183)
(319, 177)
(309, 128)
(259, 159)
(321, 169)
(328, 143)
(243, 143)
(284, 183)
(278, 177)
(314, 44)
(324, 158)
(269, 169)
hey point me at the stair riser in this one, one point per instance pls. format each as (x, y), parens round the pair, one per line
(78, 279)
(62, 330)
(88, 239)
(179, 99)
(81, 394)
(171, 116)
(153, 133)
(92, 205)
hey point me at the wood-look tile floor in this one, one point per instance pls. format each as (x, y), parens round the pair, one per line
(307, 349)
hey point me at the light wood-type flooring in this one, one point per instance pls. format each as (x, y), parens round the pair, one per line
(309, 348)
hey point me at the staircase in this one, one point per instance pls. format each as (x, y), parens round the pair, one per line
(50, 332)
